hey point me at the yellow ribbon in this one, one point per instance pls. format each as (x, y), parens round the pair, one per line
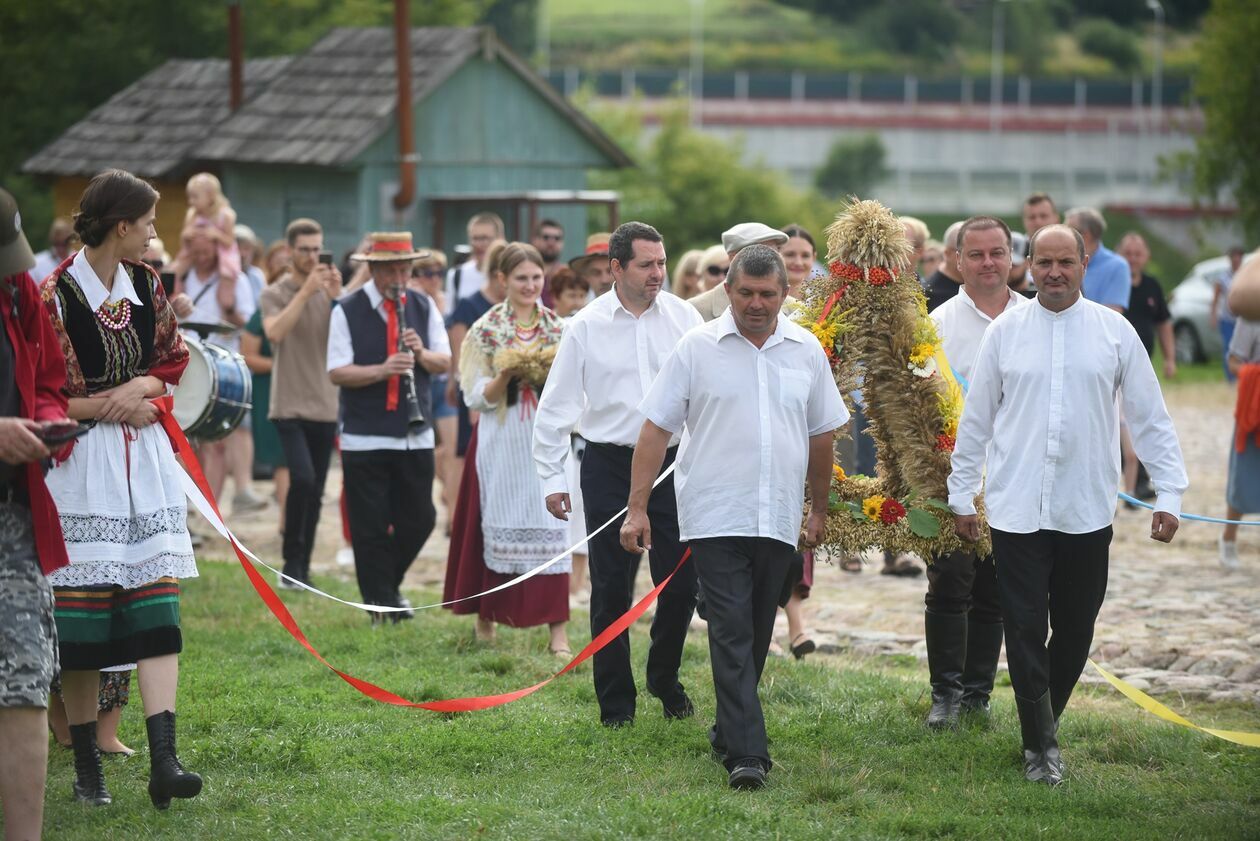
(1146, 702)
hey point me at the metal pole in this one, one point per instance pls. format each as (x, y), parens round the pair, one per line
(1157, 74)
(996, 66)
(696, 100)
(544, 37)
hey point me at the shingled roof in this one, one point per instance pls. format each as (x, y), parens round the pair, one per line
(320, 108)
(153, 127)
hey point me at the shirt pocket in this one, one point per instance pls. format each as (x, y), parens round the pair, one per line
(793, 388)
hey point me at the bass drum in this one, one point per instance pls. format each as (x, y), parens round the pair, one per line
(215, 392)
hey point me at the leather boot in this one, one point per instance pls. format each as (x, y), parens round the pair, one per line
(1042, 762)
(984, 644)
(167, 777)
(89, 777)
(947, 652)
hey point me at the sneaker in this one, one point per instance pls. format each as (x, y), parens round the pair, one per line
(1229, 554)
(345, 557)
(247, 501)
(748, 774)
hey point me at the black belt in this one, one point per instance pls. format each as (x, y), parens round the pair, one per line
(620, 448)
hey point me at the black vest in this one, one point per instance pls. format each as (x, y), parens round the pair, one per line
(107, 357)
(363, 409)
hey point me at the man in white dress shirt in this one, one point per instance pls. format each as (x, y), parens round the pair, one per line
(609, 355)
(387, 451)
(1042, 405)
(963, 617)
(757, 396)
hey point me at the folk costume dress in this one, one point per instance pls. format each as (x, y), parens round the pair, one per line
(118, 492)
(501, 527)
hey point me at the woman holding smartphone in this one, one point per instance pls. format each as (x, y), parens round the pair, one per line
(117, 488)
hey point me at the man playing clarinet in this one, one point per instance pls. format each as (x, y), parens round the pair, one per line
(383, 343)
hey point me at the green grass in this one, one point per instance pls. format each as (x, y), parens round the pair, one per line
(290, 751)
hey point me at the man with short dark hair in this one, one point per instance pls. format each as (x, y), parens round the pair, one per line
(962, 617)
(296, 311)
(1107, 277)
(1038, 211)
(756, 394)
(384, 341)
(611, 351)
(1041, 410)
(548, 238)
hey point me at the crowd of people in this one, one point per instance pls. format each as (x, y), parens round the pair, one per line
(545, 397)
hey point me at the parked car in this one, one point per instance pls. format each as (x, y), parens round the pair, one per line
(1197, 338)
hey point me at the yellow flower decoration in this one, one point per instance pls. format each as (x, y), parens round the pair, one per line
(825, 333)
(838, 472)
(871, 506)
(922, 353)
(951, 428)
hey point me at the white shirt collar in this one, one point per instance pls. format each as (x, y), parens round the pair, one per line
(1078, 305)
(94, 290)
(617, 305)
(1011, 300)
(727, 326)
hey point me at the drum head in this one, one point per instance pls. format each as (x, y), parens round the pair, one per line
(192, 395)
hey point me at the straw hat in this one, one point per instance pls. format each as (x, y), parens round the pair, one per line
(596, 248)
(393, 247)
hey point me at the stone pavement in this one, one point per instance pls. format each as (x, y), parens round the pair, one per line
(1174, 623)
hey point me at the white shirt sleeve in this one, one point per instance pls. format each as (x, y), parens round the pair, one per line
(438, 341)
(975, 428)
(826, 411)
(559, 410)
(1154, 436)
(340, 350)
(667, 401)
(475, 398)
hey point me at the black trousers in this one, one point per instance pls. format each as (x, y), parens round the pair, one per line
(743, 578)
(389, 501)
(605, 481)
(962, 583)
(1050, 580)
(307, 449)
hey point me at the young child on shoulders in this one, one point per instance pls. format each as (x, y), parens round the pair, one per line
(210, 214)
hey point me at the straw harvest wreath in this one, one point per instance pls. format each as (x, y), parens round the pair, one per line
(871, 318)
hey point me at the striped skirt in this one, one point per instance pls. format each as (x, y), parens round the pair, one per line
(108, 625)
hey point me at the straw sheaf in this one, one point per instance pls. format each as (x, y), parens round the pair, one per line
(867, 234)
(531, 365)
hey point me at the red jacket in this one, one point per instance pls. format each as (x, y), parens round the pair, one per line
(40, 370)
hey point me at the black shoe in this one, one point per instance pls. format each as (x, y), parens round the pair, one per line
(748, 774)
(618, 721)
(984, 644)
(947, 652)
(1037, 725)
(167, 777)
(400, 615)
(676, 704)
(89, 777)
(805, 646)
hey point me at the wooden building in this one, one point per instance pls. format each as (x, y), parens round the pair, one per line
(317, 136)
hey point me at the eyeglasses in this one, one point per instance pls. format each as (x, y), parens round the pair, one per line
(426, 273)
(552, 237)
(718, 271)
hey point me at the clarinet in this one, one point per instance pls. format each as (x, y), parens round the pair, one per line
(415, 418)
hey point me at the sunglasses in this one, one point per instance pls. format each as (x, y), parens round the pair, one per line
(552, 237)
(427, 273)
(718, 271)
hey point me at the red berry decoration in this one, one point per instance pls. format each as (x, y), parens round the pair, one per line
(891, 511)
(945, 443)
(845, 271)
(879, 276)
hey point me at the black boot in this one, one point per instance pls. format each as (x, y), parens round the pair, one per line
(1042, 763)
(984, 644)
(89, 778)
(947, 651)
(167, 778)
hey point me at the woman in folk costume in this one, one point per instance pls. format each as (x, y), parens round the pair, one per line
(117, 489)
(502, 368)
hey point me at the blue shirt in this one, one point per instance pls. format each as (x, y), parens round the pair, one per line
(1107, 279)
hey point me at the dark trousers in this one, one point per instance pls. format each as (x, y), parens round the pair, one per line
(1049, 578)
(605, 488)
(389, 501)
(962, 583)
(307, 449)
(742, 578)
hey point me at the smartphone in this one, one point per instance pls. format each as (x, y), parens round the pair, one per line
(168, 283)
(55, 434)
(325, 257)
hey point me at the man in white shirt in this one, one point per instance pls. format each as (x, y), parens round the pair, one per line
(756, 394)
(387, 417)
(963, 617)
(609, 355)
(466, 278)
(60, 237)
(1042, 404)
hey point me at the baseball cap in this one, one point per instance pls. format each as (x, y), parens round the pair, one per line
(15, 252)
(750, 233)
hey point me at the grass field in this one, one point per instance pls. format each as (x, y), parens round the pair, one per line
(290, 751)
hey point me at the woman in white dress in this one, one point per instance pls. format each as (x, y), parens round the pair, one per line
(117, 490)
(518, 534)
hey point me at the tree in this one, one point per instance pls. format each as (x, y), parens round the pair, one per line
(853, 166)
(1227, 153)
